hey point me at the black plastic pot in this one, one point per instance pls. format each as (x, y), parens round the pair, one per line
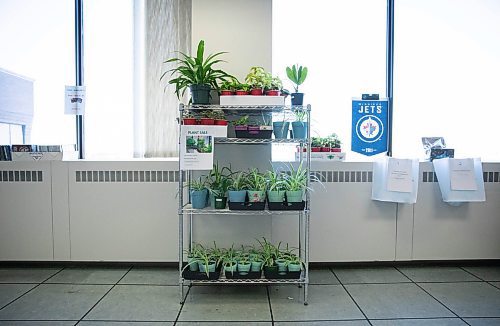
(200, 94)
(297, 98)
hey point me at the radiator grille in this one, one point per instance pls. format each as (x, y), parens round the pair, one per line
(343, 176)
(489, 176)
(21, 176)
(121, 176)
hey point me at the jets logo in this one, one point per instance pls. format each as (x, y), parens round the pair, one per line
(369, 128)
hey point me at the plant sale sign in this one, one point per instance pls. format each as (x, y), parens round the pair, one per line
(369, 126)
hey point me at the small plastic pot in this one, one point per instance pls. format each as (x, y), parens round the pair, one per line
(226, 92)
(207, 121)
(189, 121)
(256, 91)
(240, 93)
(273, 92)
(220, 122)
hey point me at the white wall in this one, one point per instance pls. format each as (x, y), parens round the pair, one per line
(64, 217)
(240, 27)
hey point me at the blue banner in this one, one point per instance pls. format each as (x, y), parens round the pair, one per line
(369, 127)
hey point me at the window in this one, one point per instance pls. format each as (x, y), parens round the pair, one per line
(447, 63)
(343, 44)
(36, 61)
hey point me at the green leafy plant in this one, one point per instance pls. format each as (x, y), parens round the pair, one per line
(300, 115)
(332, 141)
(242, 87)
(218, 115)
(296, 179)
(219, 180)
(243, 121)
(239, 181)
(209, 114)
(197, 184)
(196, 70)
(275, 181)
(272, 83)
(229, 85)
(256, 181)
(256, 78)
(317, 142)
(297, 74)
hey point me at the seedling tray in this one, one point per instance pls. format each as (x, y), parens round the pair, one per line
(261, 134)
(247, 206)
(190, 275)
(285, 206)
(249, 276)
(275, 275)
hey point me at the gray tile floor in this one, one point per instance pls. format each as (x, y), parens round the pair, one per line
(380, 296)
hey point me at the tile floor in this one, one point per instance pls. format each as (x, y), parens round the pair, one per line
(140, 296)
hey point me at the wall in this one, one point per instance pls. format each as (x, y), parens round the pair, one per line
(127, 211)
(240, 27)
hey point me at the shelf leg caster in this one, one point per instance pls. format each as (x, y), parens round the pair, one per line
(306, 303)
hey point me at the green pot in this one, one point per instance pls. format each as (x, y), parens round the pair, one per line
(294, 267)
(200, 94)
(281, 265)
(256, 196)
(244, 268)
(219, 202)
(231, 268)
(294, 196)
(275, 196)
(193, 264)
(256, 266)
(203, 268)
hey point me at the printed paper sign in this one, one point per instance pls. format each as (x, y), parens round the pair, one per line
(399, 175)
(369, 127)
(462, 174)
(196, 152)
(74, 102)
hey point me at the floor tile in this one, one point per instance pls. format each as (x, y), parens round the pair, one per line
(123, 323)
(437, 274)
(467, 299)
(229, 303)
(419, 322)
(370, 275)
(38, 323)
(26, 275)
(89, 275)
(325, 322)
(483, 321)
(55, 302)
(386, 301)
(322, 276)
(138, 303)
(496, 284)
(9, 292)
(326, 302)
(219, 323)
(486, 273)
(152, 275)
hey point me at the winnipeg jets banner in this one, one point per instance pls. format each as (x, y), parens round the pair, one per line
(369, 126)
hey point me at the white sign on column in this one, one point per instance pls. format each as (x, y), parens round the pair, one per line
(74, 102)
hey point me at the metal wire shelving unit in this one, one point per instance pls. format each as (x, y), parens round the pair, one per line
(186, 212)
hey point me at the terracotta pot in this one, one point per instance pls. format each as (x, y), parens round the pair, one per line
(239, 93)
(315, 149)
(220, 122)
(256, 91)
(189, 121)
(226, 93)
(273, 92)
(336, 150)
(325, 149)
(206, 121)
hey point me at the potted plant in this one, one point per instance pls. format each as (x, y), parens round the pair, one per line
(229, 261)
(265, 128)
(333, 143)
(198, 193)
(207, 260)
(256, 79)
(295, 182)
(299, 126)
(256, 183)
(316, 144)
(228, 87)
(275, 187)
(207, 117)
(197, 73)
(188, 118)
(219, 118)
(272, 85)
(242, 89)
(297, 74)
(241, 126)
(237, 192)
(218, 183)
(280, 128)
